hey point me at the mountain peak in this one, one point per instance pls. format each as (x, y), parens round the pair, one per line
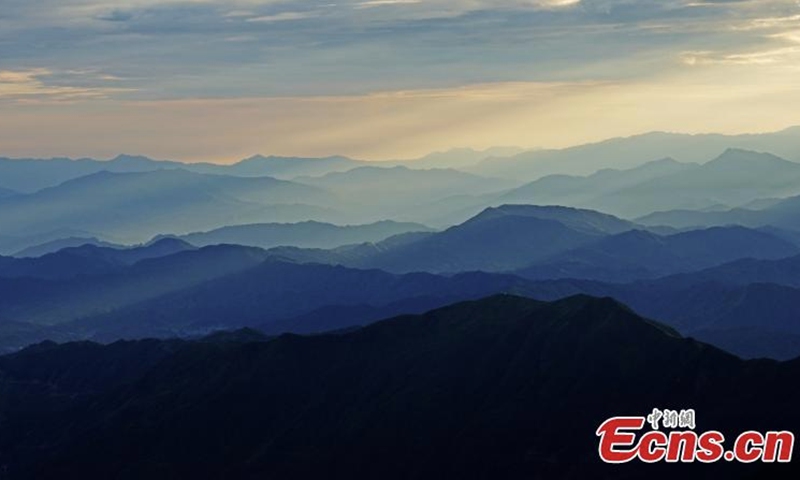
(132, 159)
(168, 242)
(669, 161)
(742, 157)
(575, 218)
(258, 158)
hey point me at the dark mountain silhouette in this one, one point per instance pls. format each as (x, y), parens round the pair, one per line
(588, 221)
(66, 263)
(717, 305)
(305, 234)
(195, 292)
(696, 307)
(754, 320)
(498, 243)
(356, 255)
(155, 249)
(503, 387)
(335, 318)
(753, 342)
(165, 296)
(137, 206)
(488, 241)
(49, 302)
(784, 271)
(284, 297)
(638, 254)
(498, 239)
(87, 259)
(277, 290)
(83, 368)
(788, 235)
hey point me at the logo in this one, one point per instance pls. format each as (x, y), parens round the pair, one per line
(671, 437)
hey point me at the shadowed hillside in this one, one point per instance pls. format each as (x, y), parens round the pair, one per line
(498, 387)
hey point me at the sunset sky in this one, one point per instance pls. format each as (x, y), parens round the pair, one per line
(220, 80)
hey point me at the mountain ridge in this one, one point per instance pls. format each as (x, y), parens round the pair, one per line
(494, 386)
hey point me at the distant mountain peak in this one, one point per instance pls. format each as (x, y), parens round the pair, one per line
(523, 209)
(739, 156)
(582, 314)
(664, 161)
(258, 158)
(577, 218)
(123, 157)
(168, 242)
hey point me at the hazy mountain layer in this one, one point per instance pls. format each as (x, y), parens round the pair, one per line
(304, 234)
(134, 207)
(781, 214)
(637, 254)
(624, 153)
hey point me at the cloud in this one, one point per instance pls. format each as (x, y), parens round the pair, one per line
(454, 54)
(384, 3)
(283, 16)
(116, 16)
(765, 57)
(32, 86)
(774, 41)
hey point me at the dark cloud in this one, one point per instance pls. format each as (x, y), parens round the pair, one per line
(215, 48)
(116, 16)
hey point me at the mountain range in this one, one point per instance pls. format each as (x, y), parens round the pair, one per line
(375, 192)
(781, 214)
(172, 288)
(737, 187)
(733, 179)
(308, 234)
(49, 301)
(629, 152)
(555, 242)
(87, 259)
(501, 387)
(53, 246)
(134, 207)
(638, 254)
(469, 314)
(30, 175)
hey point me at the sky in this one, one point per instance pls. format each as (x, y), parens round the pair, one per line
(211, 80)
